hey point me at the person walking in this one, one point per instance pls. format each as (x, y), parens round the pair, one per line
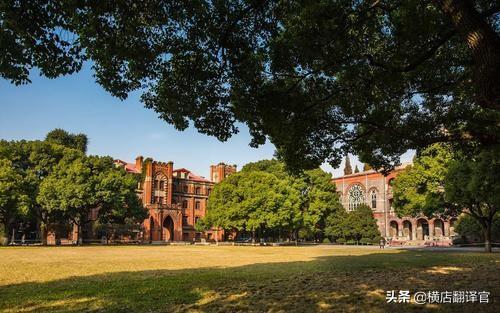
(382, 243)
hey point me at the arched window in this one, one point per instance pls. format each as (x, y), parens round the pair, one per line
(185, 188)
(159, 182)
(197, 205)
(356, 197)
(373, 195)
(185, 204)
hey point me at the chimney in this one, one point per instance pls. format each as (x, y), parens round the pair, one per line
(138, 163)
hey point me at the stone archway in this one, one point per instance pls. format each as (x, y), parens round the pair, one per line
(438, 228)
(407, 230)
(393, 229)
(151, 228)
(422, 228)
(168, 229)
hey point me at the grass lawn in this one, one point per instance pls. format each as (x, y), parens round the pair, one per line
(232, 279)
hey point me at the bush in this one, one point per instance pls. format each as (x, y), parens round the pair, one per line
(365, 241)
(326, 240)
(469, 227)
(341, 240)
(351, 242)
(376, 240)
(459, 241)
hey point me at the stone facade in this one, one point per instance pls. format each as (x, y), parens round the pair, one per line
(175, 199)
(374, 189)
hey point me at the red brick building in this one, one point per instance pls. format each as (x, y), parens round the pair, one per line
(175, 199)
(374, 189)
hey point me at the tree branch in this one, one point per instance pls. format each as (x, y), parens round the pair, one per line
(418, 60)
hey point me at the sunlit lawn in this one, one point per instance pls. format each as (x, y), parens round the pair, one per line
(231, 279)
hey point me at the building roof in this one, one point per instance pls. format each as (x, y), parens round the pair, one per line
(129, 167)
(192, 176)
(372, 171)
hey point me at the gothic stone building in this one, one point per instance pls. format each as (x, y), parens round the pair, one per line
(175, 199)
(374, 189)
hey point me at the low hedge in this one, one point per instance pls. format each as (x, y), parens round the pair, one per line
(365, 241)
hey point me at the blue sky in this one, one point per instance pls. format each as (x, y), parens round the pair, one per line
(121, 129)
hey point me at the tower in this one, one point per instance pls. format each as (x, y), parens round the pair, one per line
(347, 168)
(220, 171)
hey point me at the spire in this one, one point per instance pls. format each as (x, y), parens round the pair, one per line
(347, 168)
(356, 169)
(366, 167)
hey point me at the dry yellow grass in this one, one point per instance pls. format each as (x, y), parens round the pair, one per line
(37, 264)
(230, 279)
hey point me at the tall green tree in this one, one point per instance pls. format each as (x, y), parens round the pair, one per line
(77, 186)
(472, 184)
(34, 161)
(419, 189)
(254, 201)
(317, 78)
(64, 138)
(267, 201)
(322, 201)
(362, 223)
(469, 226)
(12, 198)
(354, 225)
(444, 180)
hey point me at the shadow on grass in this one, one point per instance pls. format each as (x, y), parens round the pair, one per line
(330, 284)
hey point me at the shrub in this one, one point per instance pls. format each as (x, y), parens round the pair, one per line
(341, 240)
(365, 241)
(351, 242)
(376, 240)
(326, 240)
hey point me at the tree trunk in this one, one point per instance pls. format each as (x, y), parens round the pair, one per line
(484, 45)
(13, 240)
(43, 233)
(4, 239)
(79, 236)
(487, 235)
(78, 232)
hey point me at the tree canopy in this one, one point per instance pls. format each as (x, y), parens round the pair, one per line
(356, 225)
(77, 186)
(444, 181)
(46, 183)
(265, 200)
(12, 199)
(419, 189)
(472, 184)
(469, 227)
(317, 78)
(63, 138)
